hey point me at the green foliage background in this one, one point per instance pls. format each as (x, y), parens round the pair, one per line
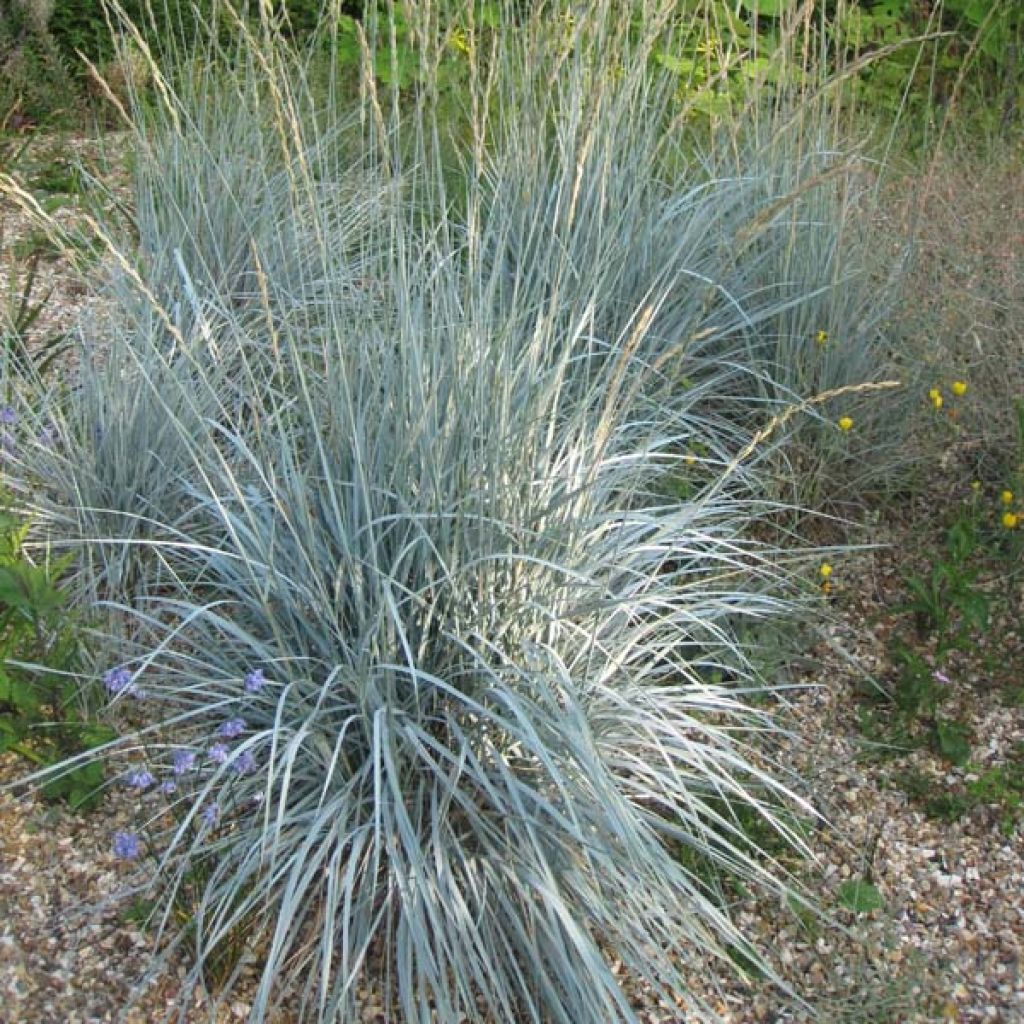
(874, 47)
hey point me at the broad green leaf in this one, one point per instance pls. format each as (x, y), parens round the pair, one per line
(684, 66)
(860, 896)
(20, 693)
(766, 8)
(891, 8)
(81, 788)
(763, 69)
(14, 592)
(977, 11)
(95, 735)
(9, 734)
(975, 608)
(711, 103)
(490, 15)
(952, 739)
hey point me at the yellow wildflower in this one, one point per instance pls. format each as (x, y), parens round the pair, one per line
(845, 423)
(935, 395)
(460, 42)
(1006, 497)
(821, 337)
(976, 486)
(1010, 520)
(709, 46)
(825, 571)
(959, 388)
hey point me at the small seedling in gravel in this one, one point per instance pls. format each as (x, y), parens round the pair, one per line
(946, 601)
(1000, 787)
(860, 896)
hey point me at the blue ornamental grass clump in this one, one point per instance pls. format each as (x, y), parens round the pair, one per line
(808, 249)
(383, 518)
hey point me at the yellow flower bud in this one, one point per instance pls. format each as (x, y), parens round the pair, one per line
(825, 571)
(821, 337)
(1006, 497)
(1010, 520)
(959, 388)
(845, 423)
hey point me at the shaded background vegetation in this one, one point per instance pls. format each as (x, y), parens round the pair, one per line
(971, 51)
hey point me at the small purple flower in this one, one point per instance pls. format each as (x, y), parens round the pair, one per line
(169, 787)
(47, 436)
(126, 845)
(255, 681)
(8, 416)
(218, 753)
(232, 728)
(245, 763)
(140, 779)
(183, 761)
(210, 815)
(7, 443)
(117, 680)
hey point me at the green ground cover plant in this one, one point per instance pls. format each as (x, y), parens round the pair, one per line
(45, 717)
(19, 315)
(957, 608)
(998, 789)
(948, 594)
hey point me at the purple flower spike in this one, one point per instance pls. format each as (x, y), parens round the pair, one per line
(47, 436)
(169, 787)
(117, 680)
(245, 763)
(232, 728)
(210, 815)
(218, 753)
(8, 415)
(126, 845)
(255, 681)
(183, 761)
(140, 779)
